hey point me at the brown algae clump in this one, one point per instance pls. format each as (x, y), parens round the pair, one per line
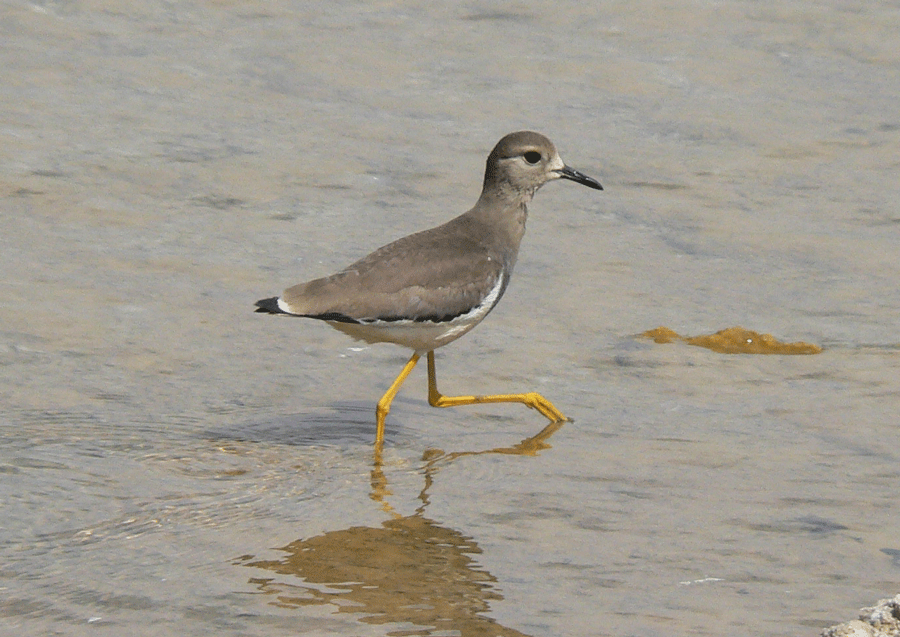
(734, 340)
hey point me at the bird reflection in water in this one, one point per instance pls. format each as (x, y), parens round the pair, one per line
(412, 571)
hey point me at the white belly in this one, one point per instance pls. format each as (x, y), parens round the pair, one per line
(419, 336)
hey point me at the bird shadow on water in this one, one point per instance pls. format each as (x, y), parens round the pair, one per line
(413, 572)
(347, 423)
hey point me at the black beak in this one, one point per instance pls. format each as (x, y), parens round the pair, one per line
(574, 175)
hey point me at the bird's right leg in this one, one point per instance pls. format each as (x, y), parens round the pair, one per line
(384, 405)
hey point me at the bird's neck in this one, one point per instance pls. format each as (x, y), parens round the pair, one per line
(505, 214)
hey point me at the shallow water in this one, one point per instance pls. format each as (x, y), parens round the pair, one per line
(173, 463)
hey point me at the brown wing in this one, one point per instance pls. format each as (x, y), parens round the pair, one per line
(435, 274)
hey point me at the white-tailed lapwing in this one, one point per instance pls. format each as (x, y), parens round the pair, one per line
(429, 288)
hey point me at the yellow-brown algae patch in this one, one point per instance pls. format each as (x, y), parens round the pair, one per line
(735, 340)
(662, 335)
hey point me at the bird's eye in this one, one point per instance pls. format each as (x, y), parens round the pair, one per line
(532, 157)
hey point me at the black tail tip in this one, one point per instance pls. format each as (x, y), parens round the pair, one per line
(269, 306)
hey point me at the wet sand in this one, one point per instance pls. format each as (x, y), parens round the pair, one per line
(173, 463)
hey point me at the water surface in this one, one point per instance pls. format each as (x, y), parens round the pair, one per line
(174, 464)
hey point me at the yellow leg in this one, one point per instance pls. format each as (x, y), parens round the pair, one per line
(384, 405)
(531, 399)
